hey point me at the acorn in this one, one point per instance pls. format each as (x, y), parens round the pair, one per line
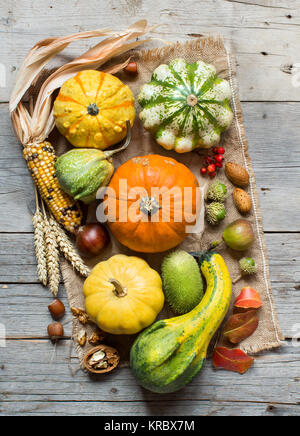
(217, 191)
(215, 213)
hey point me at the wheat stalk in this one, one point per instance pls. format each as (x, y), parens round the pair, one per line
(67, 249)
(52, 255)
(39, 242)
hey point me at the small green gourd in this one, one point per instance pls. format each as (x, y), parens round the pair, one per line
(182, 281)
(82, 171)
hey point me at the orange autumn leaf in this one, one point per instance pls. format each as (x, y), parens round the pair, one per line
(249, 298)
(232, 360)
(241, 326)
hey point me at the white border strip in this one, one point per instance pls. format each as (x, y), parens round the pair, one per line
(231, 81)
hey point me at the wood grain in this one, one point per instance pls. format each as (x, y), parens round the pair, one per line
(32, 373)
(265, 38)
(147, 408)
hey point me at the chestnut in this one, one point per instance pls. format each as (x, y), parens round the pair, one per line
(91, 239)
(57, 309)
(55, 331)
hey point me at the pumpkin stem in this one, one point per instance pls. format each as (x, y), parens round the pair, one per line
(149, 205)
(108, 154)
(192, 100)
(93, 109)
(119, 291)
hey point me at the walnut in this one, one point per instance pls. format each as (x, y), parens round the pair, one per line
(96, 337)
(81, 338)
(81, 315)
(101, 359)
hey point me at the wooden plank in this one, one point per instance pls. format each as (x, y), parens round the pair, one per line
(28, 304)
(147, 408)
(273, 131)
(18, 263)
(30, 372)
(264, 38)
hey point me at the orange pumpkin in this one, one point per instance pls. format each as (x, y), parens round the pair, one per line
(152, 207)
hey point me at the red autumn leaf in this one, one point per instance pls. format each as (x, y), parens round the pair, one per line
(241, 326)
(249, 298)
(232, 360)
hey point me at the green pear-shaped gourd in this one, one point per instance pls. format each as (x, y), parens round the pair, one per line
(82, 171)
(168, 354)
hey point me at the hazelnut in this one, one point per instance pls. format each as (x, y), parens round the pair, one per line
(131, 68)
(55, 331)
(57, 309)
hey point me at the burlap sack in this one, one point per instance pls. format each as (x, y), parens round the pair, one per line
(210, 50)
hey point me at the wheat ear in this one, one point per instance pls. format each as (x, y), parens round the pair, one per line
(68, 250)
(39, 242)
(52, 253)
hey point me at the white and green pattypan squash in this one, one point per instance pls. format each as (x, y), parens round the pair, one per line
(186, 106)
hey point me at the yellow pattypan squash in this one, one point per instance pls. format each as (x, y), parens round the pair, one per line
(123, 295)
(91, 109)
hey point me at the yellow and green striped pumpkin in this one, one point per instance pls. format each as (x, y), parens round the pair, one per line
(186, 106)
(91, 109)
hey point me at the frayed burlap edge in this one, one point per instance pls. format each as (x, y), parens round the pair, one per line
(239, 125)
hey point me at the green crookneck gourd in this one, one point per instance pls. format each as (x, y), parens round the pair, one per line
(82, 171)
(186, 106)
(167, 355)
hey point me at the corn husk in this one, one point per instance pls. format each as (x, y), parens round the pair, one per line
(35, 128)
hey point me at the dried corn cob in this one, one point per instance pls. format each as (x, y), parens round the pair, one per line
(40, 160)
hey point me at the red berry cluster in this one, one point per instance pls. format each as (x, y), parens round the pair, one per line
(212, 163)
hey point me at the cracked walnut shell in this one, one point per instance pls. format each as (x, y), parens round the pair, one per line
(101, 359)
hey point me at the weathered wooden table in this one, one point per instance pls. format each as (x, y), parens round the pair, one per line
(266, 37)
